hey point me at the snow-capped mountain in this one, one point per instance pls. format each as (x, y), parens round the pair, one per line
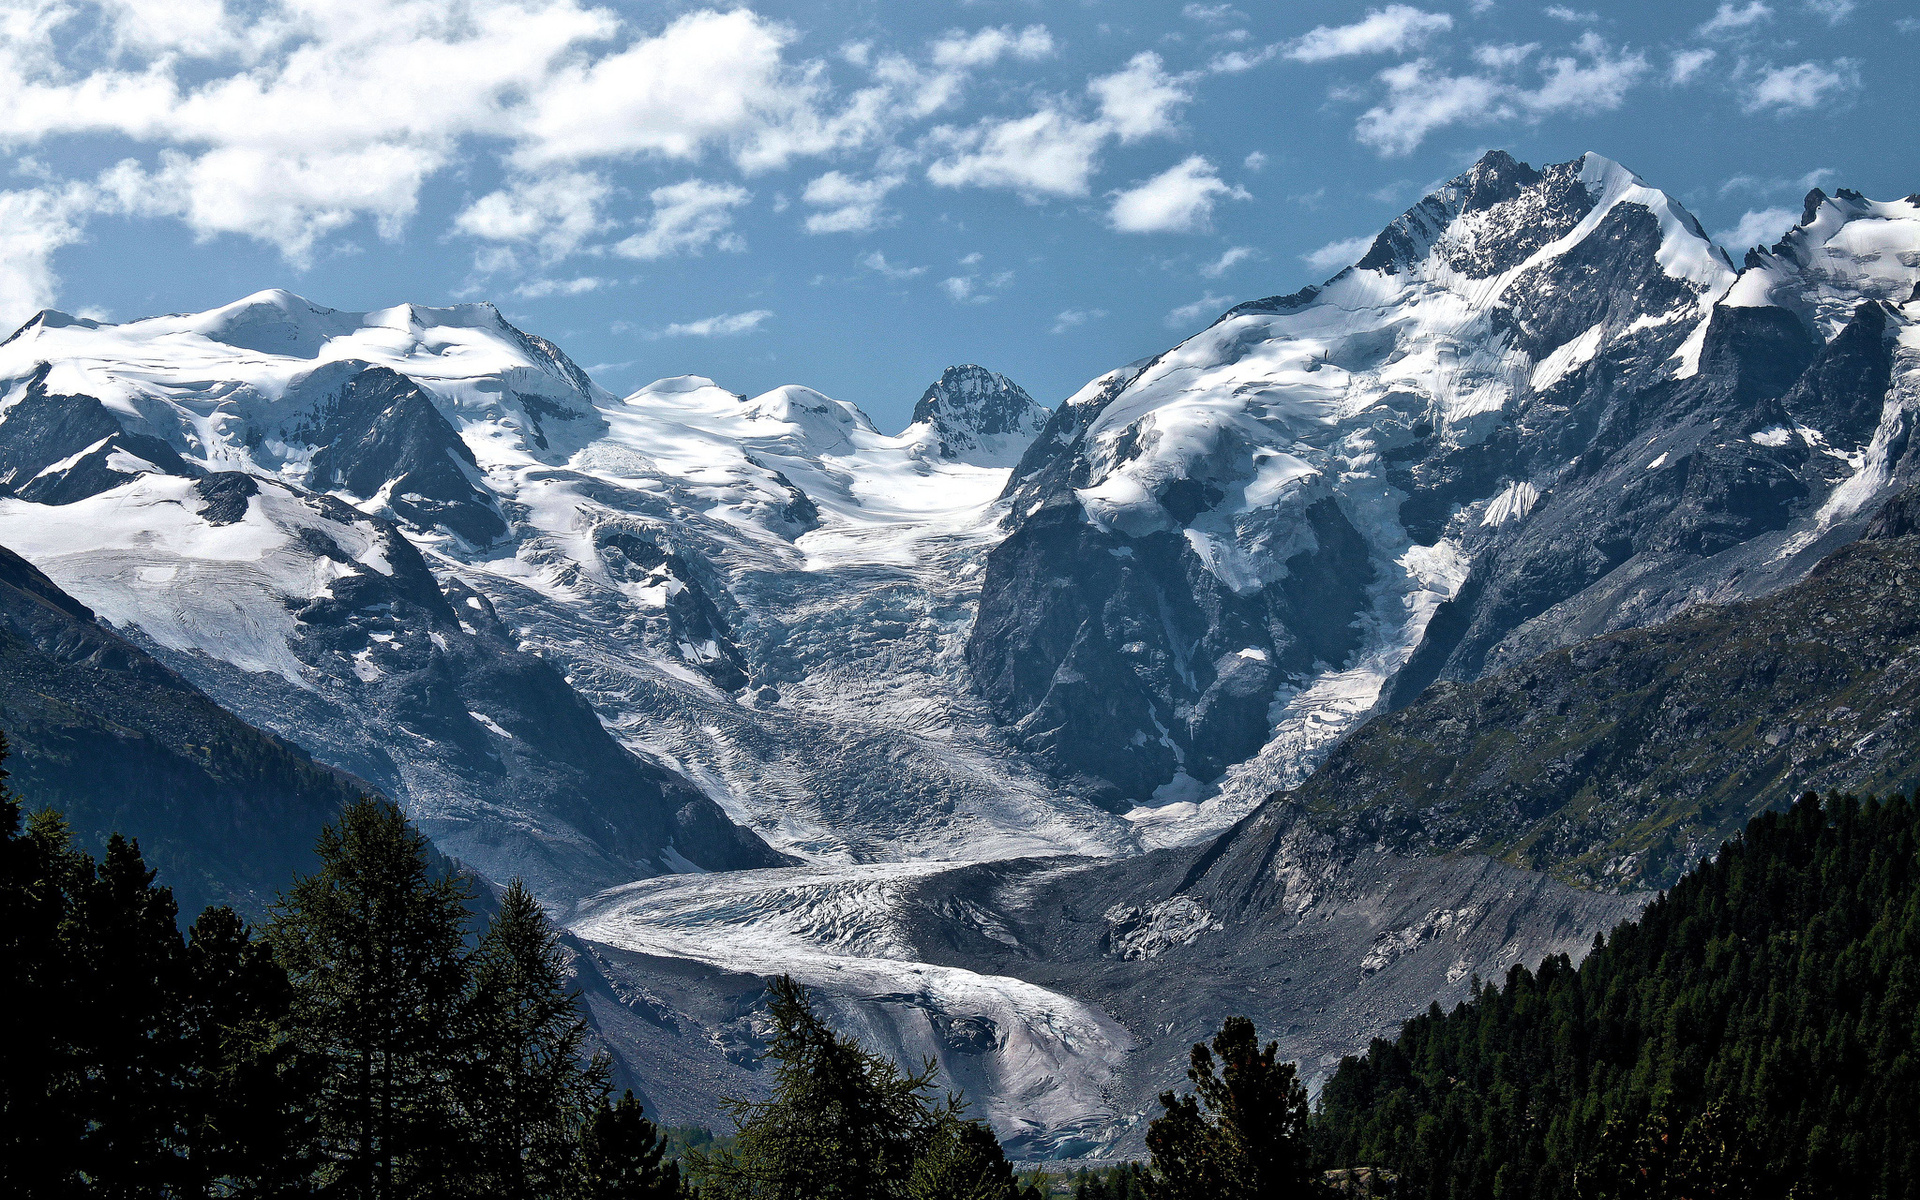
(1539, 407)
(607, 643)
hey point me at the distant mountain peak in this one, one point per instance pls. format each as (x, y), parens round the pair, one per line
(978, 416)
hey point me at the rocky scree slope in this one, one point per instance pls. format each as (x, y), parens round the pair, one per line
(1542, 406)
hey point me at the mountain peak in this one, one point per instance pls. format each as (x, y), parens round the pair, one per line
(977, 415)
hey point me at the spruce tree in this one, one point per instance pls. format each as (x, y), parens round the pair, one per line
(843, 1123)
(1250, 1141)
(962, 1160)
(523, 1087)
(622, 1156)
(375, 946)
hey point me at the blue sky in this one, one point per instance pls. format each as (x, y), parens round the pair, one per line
(854, 195)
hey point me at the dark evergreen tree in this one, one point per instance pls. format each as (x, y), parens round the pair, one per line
(843, 1123)
(375, 944)
(623, 1156)
(1241, 1133)
(962, 1160)
(1753, 1033)
(523, 1086)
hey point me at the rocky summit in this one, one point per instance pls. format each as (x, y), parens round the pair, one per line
(1384, 634)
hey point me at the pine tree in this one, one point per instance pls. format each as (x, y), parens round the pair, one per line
(843, 1123)
(1250, 1142)
(523, 1087)
(375, 946)
(622, 1156)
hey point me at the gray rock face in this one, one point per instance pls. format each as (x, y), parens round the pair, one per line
(973, 415)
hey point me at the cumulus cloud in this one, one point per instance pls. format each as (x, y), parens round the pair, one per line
(556, 214)
(1389, 30)
(1231, 258)
(1761, 227)
(1206, 306)
(1801, 86)
(687, 218)
(1835, 11)
(1178, 200)
(1334, 256)
(848, 205)
(973, 287)
(540, 289)
(723, 325)
(1572, 16)
(1422, 97)
(1139, 100)
(1731, 19)
(34, 223)
(1073, 318)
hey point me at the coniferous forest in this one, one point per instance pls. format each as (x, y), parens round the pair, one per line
(1750, 1035)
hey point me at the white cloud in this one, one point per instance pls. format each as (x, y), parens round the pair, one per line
(1334, 256)
(537, 289)
(1571, 16)
(1187, 314)
(877, 261)
(1835, 11)
(34, 223)
(1178, 200)
(849, 205)
(555, 213)
(1797, 185)
(1048, 153)
(1139, 100)
(1422, 97)
(1389, 30)
(1212, 14)
(1729, 19)
(1687, 64)
(687, 218)
(1233, 257)
(1254, 161)
(975, 288)
(1504, 57)
(723, 325)
(990, 45)
(1073, 318)
(1758, 228)
(1908, 24)
(1801, 86)
(1235, 61)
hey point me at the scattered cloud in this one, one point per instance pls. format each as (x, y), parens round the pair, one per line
(1835, 11)
(1571, 16)
(1687, 63)
(1730, 19)
(990, 45)
(723, 325)
(1212, 14)
(1178, 200)
(1908, 25)
(687, 218)
(1389, 30)
(877, 261)
(1054, 151)
(1233, 257)
(555, 214)
(1797, 185)
(974, 288)
(34, 223)
(539, 289)
(1801, 86)
(1206, 306)
(1422, 97)
(1504, 57)
(848, 205)
(1073, 318)
(1254, 161)
(1761, 227)
(1335, 256)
